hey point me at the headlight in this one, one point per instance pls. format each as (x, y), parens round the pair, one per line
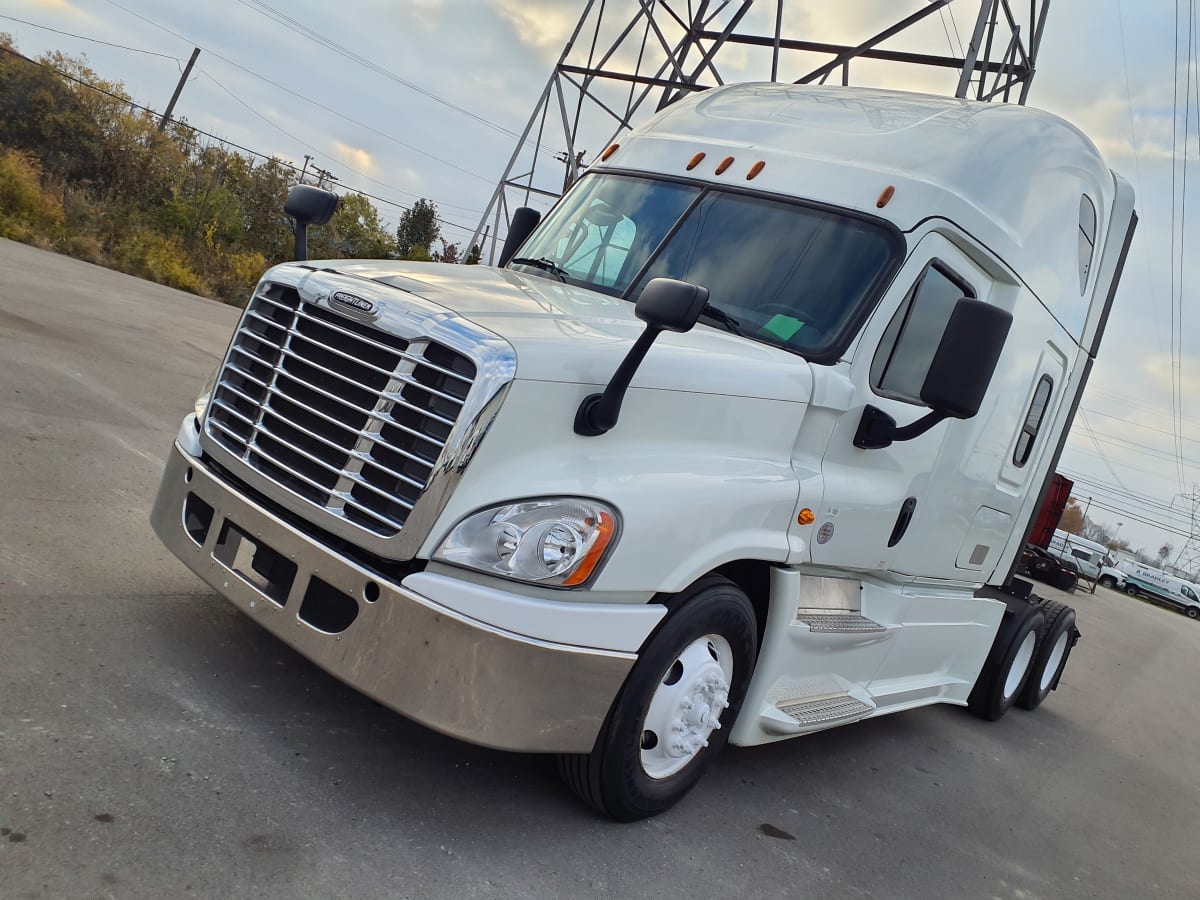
(205, 394)
(558, 540)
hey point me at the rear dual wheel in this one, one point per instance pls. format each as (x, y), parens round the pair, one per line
(1058, 637)
(1009, 664)
(674, 713)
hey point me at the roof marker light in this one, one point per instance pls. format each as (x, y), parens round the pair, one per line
(754, 170)
(609, 152)
(885, 196)
(696, 160)
(724, 164)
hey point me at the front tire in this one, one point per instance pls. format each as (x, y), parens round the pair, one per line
(1008, 665)
(1108, 581)
(675, 711)
(1058, 637)
(1193, 612)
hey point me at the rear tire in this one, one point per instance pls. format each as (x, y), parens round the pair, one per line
(666, 726)
(1008, 665)
(1108, 581)
(1058, 637)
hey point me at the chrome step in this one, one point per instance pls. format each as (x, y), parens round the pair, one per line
(843, 623)
(825, 709)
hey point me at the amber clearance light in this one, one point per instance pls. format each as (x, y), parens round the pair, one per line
(806, 517)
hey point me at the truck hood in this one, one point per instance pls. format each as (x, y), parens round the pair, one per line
(564, 333)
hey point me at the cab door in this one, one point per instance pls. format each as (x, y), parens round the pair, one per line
(906, 508)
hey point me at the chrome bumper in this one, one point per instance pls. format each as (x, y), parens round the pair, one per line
(448, 671)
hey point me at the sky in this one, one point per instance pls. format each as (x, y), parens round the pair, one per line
(425, 98)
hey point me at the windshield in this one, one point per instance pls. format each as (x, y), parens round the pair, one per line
(778, 271)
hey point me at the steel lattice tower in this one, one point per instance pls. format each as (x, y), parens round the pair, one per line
(1188, 559)
(626, 59)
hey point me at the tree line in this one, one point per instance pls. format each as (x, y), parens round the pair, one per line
(85, 171)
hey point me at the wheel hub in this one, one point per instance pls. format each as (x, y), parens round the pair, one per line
(687, 705)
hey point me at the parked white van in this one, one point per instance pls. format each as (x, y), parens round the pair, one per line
(1163, 587)
(1094, 560)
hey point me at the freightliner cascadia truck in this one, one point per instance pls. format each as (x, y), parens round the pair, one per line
(740, 442)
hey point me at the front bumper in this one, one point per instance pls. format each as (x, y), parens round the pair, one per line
(449, 671)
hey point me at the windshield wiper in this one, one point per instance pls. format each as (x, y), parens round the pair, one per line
(721, 318)
(546, 265)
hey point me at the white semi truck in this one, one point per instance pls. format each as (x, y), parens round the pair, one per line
(740, 444)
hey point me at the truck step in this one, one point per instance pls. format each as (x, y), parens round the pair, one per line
(839, 623)
(825, 709)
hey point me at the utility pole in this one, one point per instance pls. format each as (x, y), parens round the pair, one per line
(187, 70)
(307, 160)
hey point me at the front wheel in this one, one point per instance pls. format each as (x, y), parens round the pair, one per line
(1193, 612)
(1131, 590)
(1108, 581)
(674, 713)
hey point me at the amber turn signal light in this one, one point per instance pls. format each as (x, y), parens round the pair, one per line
(806, 517)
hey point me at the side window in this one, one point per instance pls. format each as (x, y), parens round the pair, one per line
(1087, 239)
(1187, 593)
(1033, 421)
(911, 339)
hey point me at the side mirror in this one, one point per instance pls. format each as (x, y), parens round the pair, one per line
(524, 220)
(308, 205)
(664, 305)
(670, 305)
(966, 358)
(957, 378)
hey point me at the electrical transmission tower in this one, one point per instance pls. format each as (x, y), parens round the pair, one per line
(1188, 559)
(627, 59)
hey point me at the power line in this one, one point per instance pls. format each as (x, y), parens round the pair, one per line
(126, 100)
(308, 146)
(298, 95)
(92, 40)
(300, 28)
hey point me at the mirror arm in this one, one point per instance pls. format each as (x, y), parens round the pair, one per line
(301, 233)
(598, 413)
(877, 429)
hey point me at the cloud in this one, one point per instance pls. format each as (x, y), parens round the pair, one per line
(356, 157)
(543, 24)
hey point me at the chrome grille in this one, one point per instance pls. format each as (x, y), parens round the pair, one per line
(348, 417)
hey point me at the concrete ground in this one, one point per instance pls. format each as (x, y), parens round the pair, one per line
(155, 743)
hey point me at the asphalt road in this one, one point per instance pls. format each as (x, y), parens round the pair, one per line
(156, 743)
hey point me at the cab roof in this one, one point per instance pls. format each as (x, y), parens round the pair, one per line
(1011, 176)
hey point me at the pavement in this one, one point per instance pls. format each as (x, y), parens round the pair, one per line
(156, 743)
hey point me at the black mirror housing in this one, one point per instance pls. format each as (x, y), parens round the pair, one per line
(966, 358)
(310, 205)
(670, 305)
(524, 220)
(957, 379)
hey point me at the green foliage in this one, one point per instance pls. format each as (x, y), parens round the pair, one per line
(417, 231)
(25, 208)
(151, 255)
(84, 172)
